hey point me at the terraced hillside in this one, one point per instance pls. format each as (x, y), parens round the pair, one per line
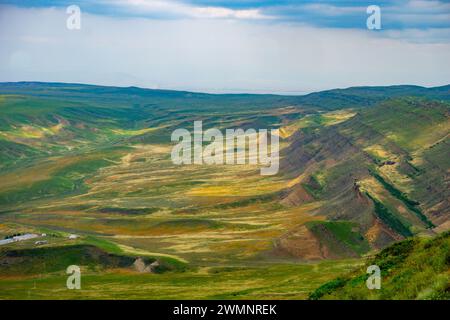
(385, 169)
(360, 168)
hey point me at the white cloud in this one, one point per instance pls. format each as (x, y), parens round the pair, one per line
(431, 35)
(215, 12)
(169, 7)
(427, 5)
(331, 10)
(211, 54)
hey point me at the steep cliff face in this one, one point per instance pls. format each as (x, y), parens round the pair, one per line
(386, 169)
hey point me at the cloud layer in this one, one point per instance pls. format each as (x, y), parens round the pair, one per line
(230, 50)
(397, 14)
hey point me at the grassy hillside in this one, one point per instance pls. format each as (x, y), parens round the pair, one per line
(341, 239)
(369, 96)
(359, 170)
(410, 269)
(385, 168)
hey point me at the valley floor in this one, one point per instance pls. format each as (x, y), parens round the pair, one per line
(92, 176)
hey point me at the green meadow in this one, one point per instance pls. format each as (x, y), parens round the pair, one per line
(278, 281)
(358, 172)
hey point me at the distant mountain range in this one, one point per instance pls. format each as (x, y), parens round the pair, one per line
(328, 100)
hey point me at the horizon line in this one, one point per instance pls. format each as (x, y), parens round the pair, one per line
(237, 92)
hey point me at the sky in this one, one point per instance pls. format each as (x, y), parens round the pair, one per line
(268, 46)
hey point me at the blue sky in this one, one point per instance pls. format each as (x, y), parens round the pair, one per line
(398, 14)
(283, 46)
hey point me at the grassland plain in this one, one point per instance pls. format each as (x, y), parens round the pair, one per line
(359, 171)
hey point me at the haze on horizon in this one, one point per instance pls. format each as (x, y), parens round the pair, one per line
(286, 47)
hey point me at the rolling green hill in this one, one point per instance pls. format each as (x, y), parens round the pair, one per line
(361, 168)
